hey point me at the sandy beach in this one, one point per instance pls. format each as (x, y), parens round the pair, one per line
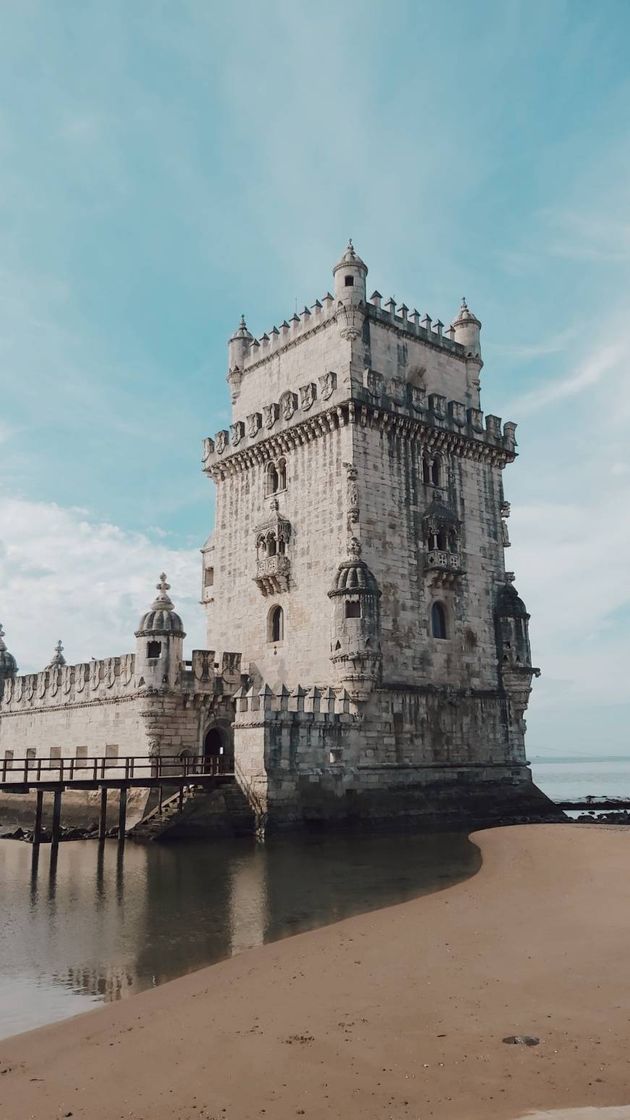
(398, 1013)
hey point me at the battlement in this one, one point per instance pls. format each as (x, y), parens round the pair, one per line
(276, 429)
(327, 704)
(414, 324)
(109, 679)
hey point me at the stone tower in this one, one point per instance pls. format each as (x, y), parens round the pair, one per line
(358, 562)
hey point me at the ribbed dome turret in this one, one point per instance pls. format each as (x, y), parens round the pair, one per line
(161, 618)
(57, 659)
(350, 257)
(242, 331)
(465, 315)
(353, 576)
(8, 664)
(509, 602)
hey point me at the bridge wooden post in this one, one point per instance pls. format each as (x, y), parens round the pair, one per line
(102, 820)
(56, 821)
(180, 803)
(39, 805)
(122, 815)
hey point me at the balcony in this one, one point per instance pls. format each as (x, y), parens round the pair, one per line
(272, 574)
(447, 565)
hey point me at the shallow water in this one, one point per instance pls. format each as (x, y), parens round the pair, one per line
(98, 925)
(582, 777)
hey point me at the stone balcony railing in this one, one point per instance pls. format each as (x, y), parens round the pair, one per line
(272, 574)
(436, 560)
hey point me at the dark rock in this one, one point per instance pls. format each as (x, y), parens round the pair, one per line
(522, 1039)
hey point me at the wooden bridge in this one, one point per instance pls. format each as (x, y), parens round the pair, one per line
(104, 773)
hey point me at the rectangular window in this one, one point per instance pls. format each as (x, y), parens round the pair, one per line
(8, 759)
(81, 757)
(208, 577)
(353, 609)
(55, 755)
(349, 281)
(154, 649)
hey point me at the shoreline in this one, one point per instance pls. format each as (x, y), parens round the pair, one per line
(396, 1012)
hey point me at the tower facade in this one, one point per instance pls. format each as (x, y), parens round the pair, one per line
(357, 562)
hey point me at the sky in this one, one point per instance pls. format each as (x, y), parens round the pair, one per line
(166, 166)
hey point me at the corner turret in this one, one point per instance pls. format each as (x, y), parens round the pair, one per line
(355, 645)
(159, 648)
(467, 327)
(514, 656)
(238, 349)
(350, 273)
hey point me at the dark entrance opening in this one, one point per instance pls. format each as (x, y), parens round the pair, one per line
(217, 753)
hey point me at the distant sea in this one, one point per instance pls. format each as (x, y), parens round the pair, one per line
(568, 777)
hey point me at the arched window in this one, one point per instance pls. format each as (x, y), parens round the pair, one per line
(441, 540)
(282, 475)
(438, 621)
(436, 471)
(271, 479)
(271, 544)
(426, 470)
(276, 624)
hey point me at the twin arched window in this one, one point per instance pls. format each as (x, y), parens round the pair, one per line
(275, 477)
(438, 621)
(442, 539)
(432, 472)
(275, 625)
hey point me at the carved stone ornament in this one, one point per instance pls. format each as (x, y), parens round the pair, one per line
(270, 414)
(418, 398)
(237, 431)
(80, 677)
(254, 422)
(307, 395)
(327, 385)
(288, 405)
(95, 674)
(67, 676)
(110, 672)
(207, 450)
(41, 685)
(221, 441)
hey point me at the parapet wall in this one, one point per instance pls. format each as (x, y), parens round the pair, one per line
(109, 679)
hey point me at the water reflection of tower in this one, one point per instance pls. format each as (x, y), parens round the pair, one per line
(202, 900)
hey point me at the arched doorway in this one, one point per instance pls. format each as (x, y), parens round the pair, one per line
(218, 755)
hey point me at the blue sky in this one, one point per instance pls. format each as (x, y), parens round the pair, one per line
(165, 166)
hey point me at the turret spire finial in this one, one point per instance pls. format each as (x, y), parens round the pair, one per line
(57, 657)
(162, 600)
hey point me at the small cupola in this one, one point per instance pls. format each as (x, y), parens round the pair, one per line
(8, 664)
(512, 626)
(57, 660)
(161, 618)
(350, 273)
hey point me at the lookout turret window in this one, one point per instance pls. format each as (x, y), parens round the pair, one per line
(353, 608)
(154, 649)
(349, 281)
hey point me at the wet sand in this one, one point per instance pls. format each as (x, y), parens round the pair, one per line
(398, 1013)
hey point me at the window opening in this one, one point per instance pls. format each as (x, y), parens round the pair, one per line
(276, 628)
(435, 472)
(353, 608)
(208, 577)
(438, 621)
(349, 281)
(154, 649)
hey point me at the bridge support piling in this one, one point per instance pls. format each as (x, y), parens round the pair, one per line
(39, 806)
(102, 819)
(56, 820)
(122, 815)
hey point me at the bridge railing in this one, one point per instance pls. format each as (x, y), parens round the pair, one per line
(72, 768)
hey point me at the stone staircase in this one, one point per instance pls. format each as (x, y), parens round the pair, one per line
(222, 811)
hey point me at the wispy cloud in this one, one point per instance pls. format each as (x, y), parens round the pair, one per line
(65, 575)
